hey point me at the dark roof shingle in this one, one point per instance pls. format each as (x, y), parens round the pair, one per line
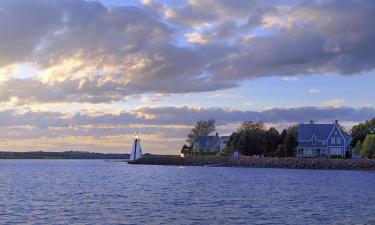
(321, 131)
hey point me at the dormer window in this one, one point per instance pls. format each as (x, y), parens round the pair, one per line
(332, 140)
(338, 140)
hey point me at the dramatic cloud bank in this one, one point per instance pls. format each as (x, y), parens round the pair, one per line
(183, 116)
(163, 127)
(87, 52)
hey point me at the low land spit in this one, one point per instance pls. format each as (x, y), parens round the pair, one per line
(248, 161)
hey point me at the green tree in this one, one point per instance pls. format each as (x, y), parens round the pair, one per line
(232, 142)
(250, 139)
(291, 141)
(360, 131)
(281, 150)
(368, 147)
(252, 142)
(273, 139)
(201, 127)
(358, 148)
(288, 145)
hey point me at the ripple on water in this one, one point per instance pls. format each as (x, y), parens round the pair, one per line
(98, 192)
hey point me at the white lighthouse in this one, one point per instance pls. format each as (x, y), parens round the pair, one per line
(136, 149)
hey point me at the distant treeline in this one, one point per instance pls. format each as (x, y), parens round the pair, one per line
(61, 155)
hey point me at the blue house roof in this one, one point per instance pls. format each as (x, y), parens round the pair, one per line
(206, 138)
(208, 142)
(321, 131)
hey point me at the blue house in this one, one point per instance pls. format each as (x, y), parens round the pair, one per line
(211, 143)
(322, 140)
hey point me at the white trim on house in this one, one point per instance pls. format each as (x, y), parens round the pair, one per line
(340, 132)
(347, 143)
(326, 147)
(313, 137)
(334, 146)
(310, 140)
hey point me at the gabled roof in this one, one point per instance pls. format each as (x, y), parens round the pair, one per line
(321, 131)
(208, 142)
(206, 139)
(348, 139)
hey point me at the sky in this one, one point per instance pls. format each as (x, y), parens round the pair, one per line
(86, 75)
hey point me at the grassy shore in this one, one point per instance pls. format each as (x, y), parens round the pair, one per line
(247, 161)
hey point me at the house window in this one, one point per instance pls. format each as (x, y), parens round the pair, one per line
(314, 142)
(338, 140)
(323, 143)
(300, 151)
(333, 140)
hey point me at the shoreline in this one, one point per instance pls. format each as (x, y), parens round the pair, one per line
(252, 162)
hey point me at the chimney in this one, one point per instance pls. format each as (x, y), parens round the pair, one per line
(217, 134)
(311, 122)
(336, 122)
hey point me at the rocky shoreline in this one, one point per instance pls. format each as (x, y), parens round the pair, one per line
(248, 161)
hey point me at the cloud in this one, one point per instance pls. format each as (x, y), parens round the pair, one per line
(182, 116)
(195, 37)
(335, 103)
(32, 90)
(126, 45)
(249, 104)
(101, 53)
(163, 128)
(155, 98)
(290, 78)
(188, 115)
(195, 13)
(224, 95)
(85, 52)
(314, 91)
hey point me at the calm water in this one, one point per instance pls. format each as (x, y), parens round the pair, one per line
(99, 192)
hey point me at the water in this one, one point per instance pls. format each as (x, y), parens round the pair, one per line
(99, 192)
